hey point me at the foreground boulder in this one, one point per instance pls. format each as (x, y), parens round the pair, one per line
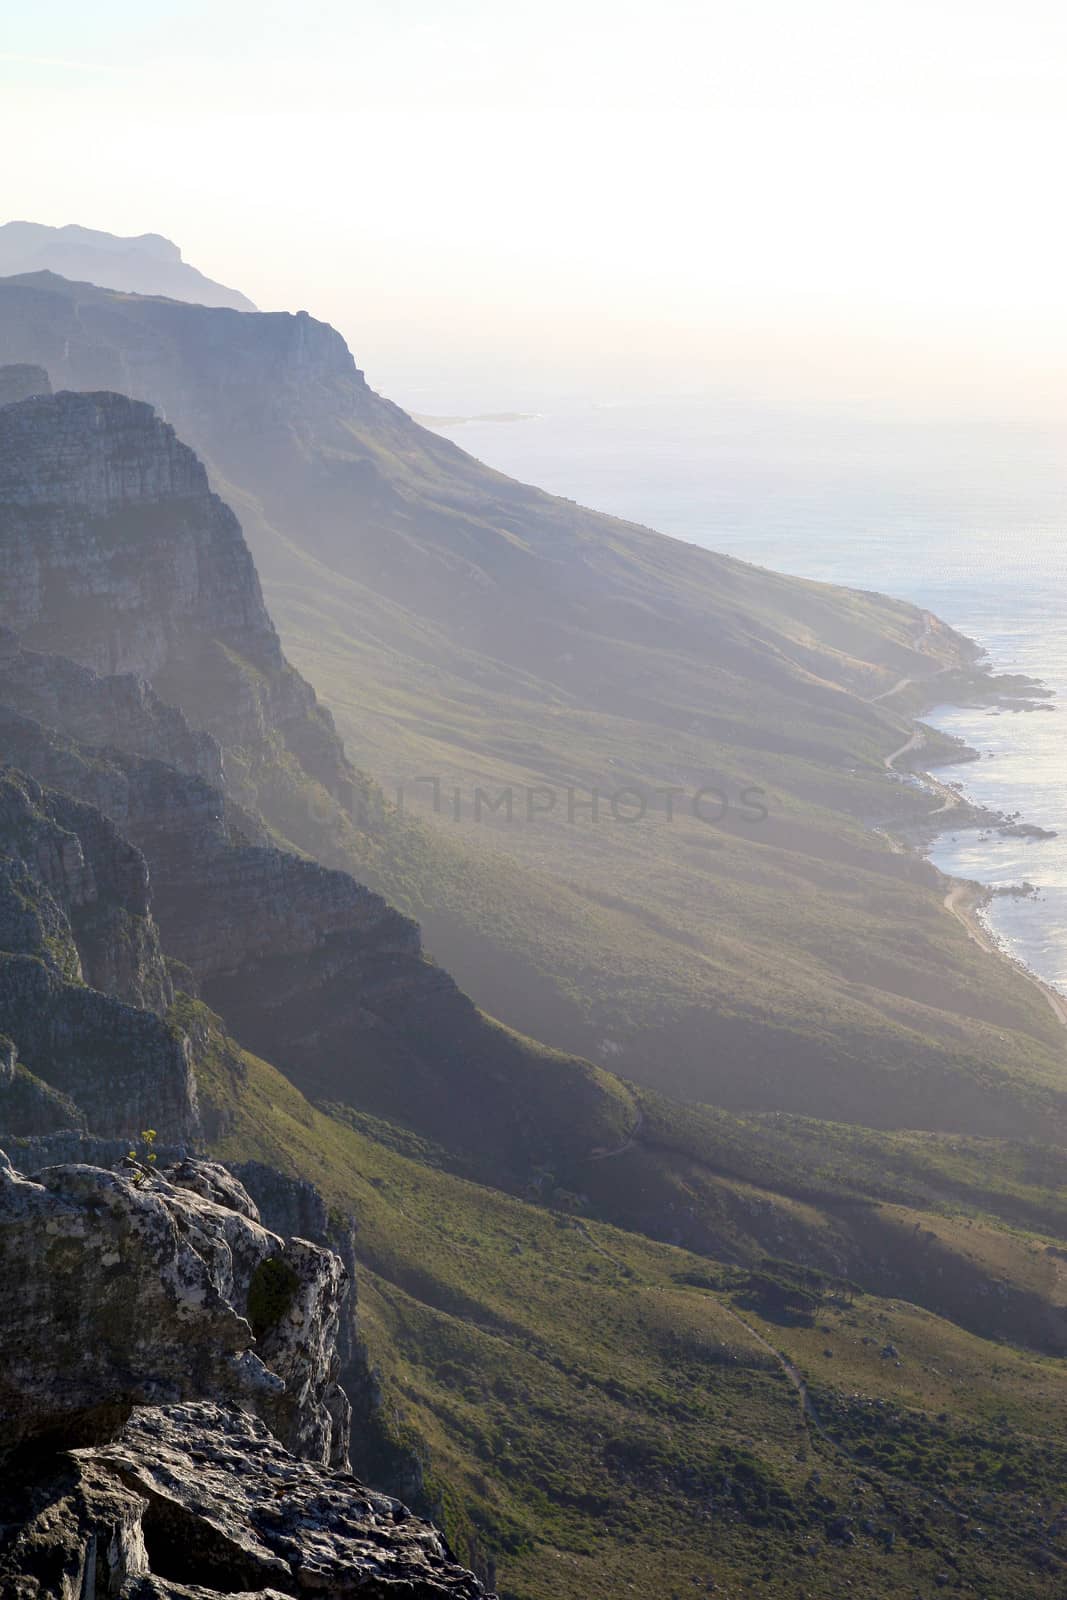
(200, 1500)
(129, 1289)
(170, 1421)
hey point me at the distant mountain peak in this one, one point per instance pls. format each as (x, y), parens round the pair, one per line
(145, 263)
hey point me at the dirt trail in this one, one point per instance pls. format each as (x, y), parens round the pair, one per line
(627, 1144)
(916, 739)
(949, 798)
(812, 1421)
(920, 644)
(807, 1408)
(887, 694)
(914, 743)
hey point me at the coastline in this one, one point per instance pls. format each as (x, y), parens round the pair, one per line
(965, 898)
(959, 546)
(966, 901)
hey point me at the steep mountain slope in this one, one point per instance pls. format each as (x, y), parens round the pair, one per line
(304, 962)
(598, 1411)
(470, 630)
(113, 552)
(116, 553)
(145, 264)
(585, 1409)
(81, 969)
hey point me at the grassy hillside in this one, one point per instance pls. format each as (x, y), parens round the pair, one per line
(468, 628)
(597, 1413)
(614, 1343)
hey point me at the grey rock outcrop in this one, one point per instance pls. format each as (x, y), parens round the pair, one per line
(83, 981)
(124, 1069)
(117, 710)
(293, 1206)
(96, 454)
(83, 901)
(172, 1364)
(127, 1289)
(196, 1501)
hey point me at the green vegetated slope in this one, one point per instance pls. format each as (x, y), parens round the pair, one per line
(602, 1414)
(466, 627)
(607, 1409)
(602, 1368)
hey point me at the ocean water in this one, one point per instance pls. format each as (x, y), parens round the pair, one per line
(967, 519)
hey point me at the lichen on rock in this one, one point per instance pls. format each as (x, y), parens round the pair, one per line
(125, 1290)
(175, 1451)
(198, 1500)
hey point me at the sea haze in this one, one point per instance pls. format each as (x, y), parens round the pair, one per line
(968, 519)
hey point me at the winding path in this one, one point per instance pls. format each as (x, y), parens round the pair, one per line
(914, 743)
(795, 1376)
(621, 1149)
(920, 645)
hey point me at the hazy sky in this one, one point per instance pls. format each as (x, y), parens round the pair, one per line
(839, 193)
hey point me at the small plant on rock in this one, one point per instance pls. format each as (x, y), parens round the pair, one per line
(142, 1161)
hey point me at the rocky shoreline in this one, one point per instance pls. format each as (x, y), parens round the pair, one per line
(969, 899)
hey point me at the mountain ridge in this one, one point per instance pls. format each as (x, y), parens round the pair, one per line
(145, 263)
(583, 1311)
(420, 591)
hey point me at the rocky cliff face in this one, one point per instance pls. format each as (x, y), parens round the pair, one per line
(120, 710)
(130, 1295)
(199, 365)
(126, 871)
(101, 454)
(85, 903)
(23, 381)
(133, 1288)
(167, 1362)
(83, 981)
(307, 967)
(115, 554)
